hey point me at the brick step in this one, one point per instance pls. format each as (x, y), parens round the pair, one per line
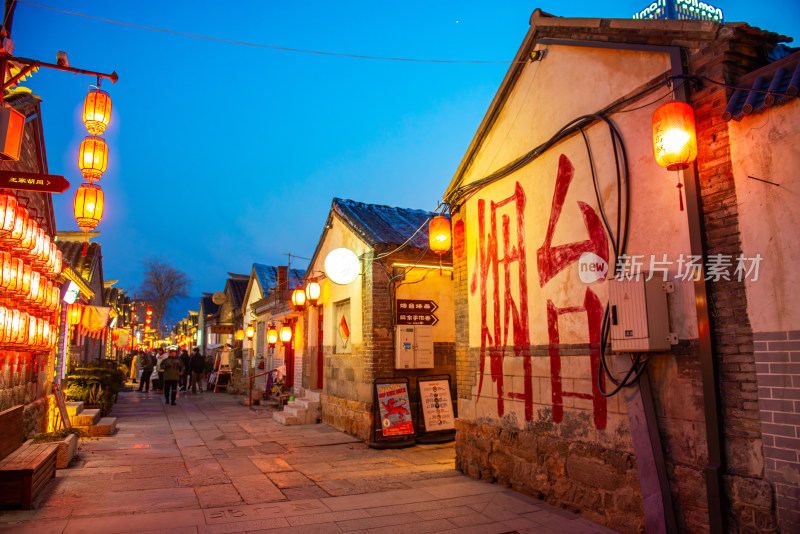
(282, 418)
(85, 418)
(104, 427)
(74, 408)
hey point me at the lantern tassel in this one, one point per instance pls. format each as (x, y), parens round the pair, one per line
(85, 242)
(680, 195)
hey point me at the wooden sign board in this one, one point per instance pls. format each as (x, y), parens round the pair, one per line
(395, 409)
(437, 406)
(31, 181)
(62, 405)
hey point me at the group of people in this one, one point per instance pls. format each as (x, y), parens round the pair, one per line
(174, 372)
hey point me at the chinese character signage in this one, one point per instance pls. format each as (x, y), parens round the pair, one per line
(30, 181)
(416, 312)
(395, 409)
(437, 406)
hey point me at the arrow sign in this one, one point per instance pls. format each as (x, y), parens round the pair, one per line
(31, 181)
(413, 312)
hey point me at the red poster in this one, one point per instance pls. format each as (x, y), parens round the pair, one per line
(395, 409)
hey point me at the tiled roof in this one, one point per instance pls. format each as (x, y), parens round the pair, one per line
(209, 308)
(238, 288)
(72, 251)
(384, 225)
(268, 277)
(781, 77)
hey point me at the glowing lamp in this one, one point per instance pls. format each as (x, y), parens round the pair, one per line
(439, 236)
(24, 285)
(342, 266)
(27, 240)
(74, 313)
(8, 213)
(20, 225)
(239, 335)
(272, 335)
(88, 206)
(93, 158)
(312, 292)
(6, 265)
(674, 135)
(249, 333)
(96, 111)
(298, 298)
(12, 127)
(33, 289)
(149, 311)
(286, 334)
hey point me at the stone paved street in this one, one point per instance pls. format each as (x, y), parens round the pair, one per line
(212, 465)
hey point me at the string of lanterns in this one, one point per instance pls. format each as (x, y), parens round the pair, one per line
(29, 264)
(92, 161)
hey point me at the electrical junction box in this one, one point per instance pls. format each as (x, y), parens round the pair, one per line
(639, 314)
(414, 347)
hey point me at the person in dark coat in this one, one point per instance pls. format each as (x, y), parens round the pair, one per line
(147, 363)
(197, 365)
(184, 380)
(172, 368)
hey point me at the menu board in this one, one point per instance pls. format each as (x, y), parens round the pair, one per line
(437, 406)
(395, 409)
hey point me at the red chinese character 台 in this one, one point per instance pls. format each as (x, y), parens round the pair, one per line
(551, 261)
(488, 261)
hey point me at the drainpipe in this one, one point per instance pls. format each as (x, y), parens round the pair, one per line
(715, 467)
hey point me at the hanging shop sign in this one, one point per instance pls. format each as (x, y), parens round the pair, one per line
(31, 181)
(342, 266)
(222, 329)
(395, 409)
(416, 312)
(437, 406)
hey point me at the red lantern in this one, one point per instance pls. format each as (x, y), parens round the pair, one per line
(33, 291)
(24, 285)
(20, 225)
(674, 135)
(8, 213)
(74, 313)
(3, 320)
(58, 258)
(93, 158)
(27, 240)
(6, 277)
(96, 111)
(439, 234)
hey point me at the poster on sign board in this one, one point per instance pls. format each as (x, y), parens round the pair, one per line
(395, 409)
(437, 406)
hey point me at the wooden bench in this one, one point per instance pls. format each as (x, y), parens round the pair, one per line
(25, 469)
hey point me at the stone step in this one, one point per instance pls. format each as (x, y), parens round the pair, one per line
(74, 408)
(312, 395)
(282, 418)
(85, 418)
(294, 411)
(305, 404)
(104, 427)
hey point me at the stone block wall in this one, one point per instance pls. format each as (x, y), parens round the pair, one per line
(777, 356)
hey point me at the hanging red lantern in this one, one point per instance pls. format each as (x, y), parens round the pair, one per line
(3, 320)
(58, 260)
(20, 226)
(96, 111)
(249, 332)
(312, 293)
(115, 334)
(286, 334)
(298, 298)
(74, 313)
(439, 237)
(93, 158)
(674, 135)
(6, 276)
(24, 286)
(27, 240)
(8, 214)
(88, 206)
(33, 290)
(149, 311)
(44, 250)
(272, 335)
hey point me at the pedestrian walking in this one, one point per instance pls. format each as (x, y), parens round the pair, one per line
(147, 363)
(172, 368)
(134, 366)
(184, 381)
(197, 364)
(160, 357)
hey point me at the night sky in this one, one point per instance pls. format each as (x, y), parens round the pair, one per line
(222, 155)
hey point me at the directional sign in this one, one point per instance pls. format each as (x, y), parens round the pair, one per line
(31, 181)
(411, 312)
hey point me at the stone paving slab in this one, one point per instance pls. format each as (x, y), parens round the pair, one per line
(211, 465)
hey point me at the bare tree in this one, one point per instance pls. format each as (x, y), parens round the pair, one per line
(160, 284)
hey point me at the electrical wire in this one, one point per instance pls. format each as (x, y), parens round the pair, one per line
(272, 47)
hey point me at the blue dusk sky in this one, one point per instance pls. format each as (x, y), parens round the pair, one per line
(224, 154)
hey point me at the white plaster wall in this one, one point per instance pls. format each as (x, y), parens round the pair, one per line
(254, 296)
(769, 216)
(572, 81)
(340, 236)
(428, 284)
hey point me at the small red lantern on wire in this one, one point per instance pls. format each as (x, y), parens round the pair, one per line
(8, 214)
(74, 313)
(439, 237)
(675, 138)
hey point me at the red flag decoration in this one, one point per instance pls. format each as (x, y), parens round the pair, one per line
(344, 331)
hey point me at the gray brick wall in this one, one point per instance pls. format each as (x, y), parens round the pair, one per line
(777, 356)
